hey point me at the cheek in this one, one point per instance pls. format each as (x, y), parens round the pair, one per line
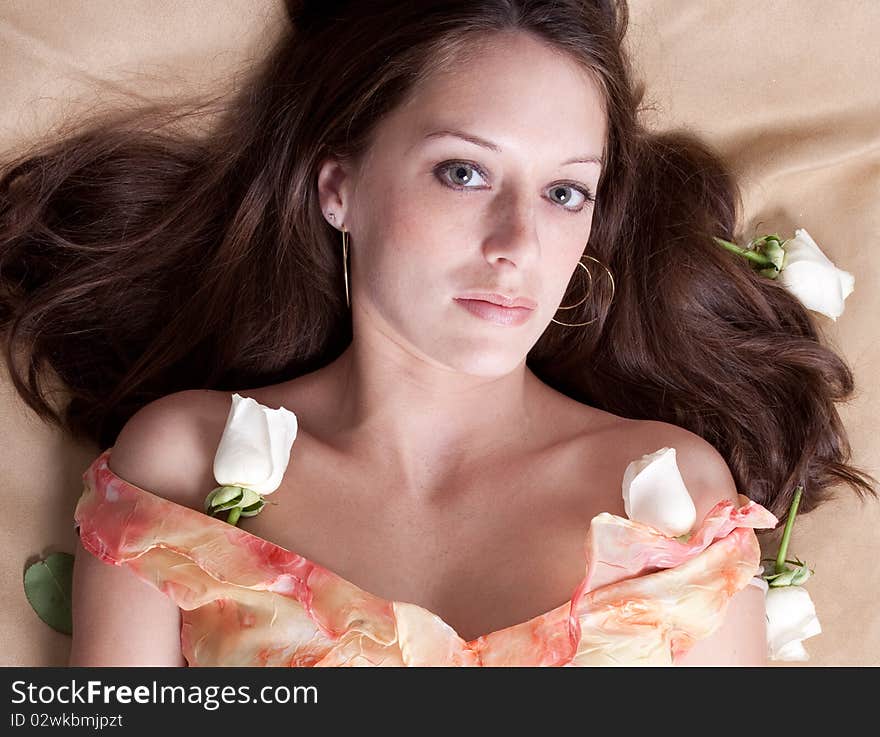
(561, 272)
(413, 234)
(404, 259)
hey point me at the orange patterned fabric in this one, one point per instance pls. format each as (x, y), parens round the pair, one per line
(645, 597)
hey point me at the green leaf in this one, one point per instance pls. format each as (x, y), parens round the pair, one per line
(48, 584)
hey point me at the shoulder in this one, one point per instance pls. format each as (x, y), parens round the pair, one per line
(742, 638)
(703, 469)
(167, 447)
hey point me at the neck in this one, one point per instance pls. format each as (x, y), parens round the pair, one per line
(426, 425)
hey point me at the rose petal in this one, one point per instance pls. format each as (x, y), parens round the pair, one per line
(654, 494)
(254, 449)
(813, 278)
(791, 618)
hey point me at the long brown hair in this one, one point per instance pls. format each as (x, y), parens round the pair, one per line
(140, 257)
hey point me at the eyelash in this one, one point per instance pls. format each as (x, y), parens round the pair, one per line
(588, 196)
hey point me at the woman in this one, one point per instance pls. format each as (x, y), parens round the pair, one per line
(325, 245)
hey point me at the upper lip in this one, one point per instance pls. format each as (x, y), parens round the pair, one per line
(503, 300)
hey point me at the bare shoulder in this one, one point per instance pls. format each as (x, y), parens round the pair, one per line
(703, 468)
(167, 447)
(683, 440)
(620, 441)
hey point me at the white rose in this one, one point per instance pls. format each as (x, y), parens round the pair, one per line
(811, 276)
(255, 447)
(791, 618)
(654, 494)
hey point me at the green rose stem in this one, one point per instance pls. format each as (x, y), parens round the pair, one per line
(233, 516)
(789, 523)
(758, 258)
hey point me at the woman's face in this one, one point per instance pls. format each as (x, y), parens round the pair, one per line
(433, 217)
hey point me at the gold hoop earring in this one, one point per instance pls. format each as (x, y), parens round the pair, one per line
(345, 265)
(584, 267)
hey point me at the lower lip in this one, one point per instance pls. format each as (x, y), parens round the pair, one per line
(496, 313)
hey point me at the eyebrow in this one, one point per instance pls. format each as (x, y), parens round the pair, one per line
(497, 149)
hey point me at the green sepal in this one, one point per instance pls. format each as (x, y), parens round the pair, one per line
(766, 255)
(220, 498)
(238, 501)
(225, 507)
(790, 576)
(771, 246)
(253, 509)
(249, 498)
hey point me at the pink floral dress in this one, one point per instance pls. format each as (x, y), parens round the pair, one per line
(644, 600)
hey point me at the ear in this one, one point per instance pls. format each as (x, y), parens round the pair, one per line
(335, 184)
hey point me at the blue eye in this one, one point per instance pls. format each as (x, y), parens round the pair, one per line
(459, 174)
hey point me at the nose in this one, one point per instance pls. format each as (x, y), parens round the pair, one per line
(514, 237)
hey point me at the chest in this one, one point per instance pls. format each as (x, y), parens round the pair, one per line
(490, 550)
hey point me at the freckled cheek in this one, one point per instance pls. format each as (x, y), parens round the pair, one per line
(408, 258)
(559, 274)
(419, 229)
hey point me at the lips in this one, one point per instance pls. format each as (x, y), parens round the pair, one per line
(511, 316)
(501, 299)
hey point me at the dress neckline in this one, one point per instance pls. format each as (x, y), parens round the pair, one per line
(235, 531)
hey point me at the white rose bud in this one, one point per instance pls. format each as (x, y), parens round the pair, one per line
(791, 618)
(255, 447)
(654, 494)
(813, 278)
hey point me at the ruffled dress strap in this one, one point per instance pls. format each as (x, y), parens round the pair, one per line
(646, 597)
(244, 601)
(667, 592)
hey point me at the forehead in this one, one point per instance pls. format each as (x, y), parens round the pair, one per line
(514, 90)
